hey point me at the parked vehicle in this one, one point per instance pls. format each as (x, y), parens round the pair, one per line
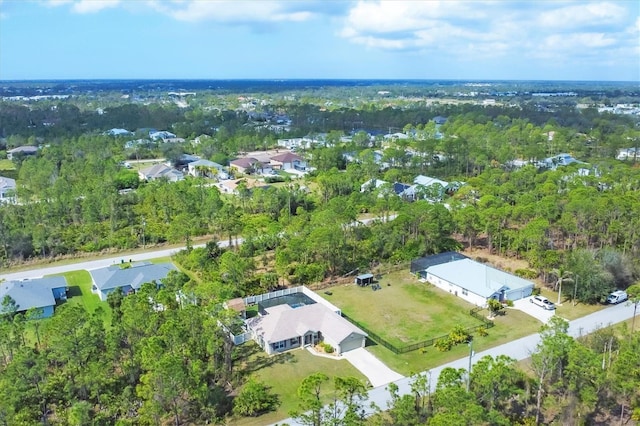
(617, 297)
(543, 302)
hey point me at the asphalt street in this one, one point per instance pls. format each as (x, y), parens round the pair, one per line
(518, 349)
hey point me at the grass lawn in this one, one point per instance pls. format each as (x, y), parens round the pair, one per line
(567, 310)
(284, 373)
(513, 325)
(404, 311)
(80, 294)
(7, 165)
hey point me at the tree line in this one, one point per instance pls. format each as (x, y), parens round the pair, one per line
(593, 379)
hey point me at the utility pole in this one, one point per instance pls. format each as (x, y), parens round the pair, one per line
(470, 356)
(144, 238)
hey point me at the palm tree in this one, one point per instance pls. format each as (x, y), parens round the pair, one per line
(562, 276)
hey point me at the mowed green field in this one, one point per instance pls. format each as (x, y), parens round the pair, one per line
(404, 311)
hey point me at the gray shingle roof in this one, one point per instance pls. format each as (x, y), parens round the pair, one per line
(136, 275)
(284, 322)
(35, 293)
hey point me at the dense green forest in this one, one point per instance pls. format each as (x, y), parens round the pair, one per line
(148, 367)
(72, 201)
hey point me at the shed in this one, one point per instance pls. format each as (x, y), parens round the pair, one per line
(364, 279)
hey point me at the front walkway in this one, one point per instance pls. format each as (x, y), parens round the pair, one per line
(375, 370)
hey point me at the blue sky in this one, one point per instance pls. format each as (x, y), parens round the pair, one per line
(200, 39)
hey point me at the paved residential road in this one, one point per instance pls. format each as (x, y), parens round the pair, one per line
(95, 264)
(519, 349)
(107, 261)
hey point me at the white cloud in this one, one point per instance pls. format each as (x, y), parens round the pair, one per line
(581, 15)
(576, 42)
(474, 30)
(93, 6)
(84, 6)
(233, 11)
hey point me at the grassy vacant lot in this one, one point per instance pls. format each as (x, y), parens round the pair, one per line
(409, 311)
(513, 325)
(284, 373)
(404, 311)
(80, 293)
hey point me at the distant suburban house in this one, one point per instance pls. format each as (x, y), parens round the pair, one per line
(439, 120)
(41, 293)
(426, 187)
(128, 277)
(470, 280)
(559, 160)
(7, 190)
(298, 317)
(160, 171)
(295, 143)
(118, 132)
(628, 153)
(22, 150)
(396, 136)
(384, 188)
(372, 184)
(231, 186)
(246, 165)
(400, 189)
(288, 161)
(161, 135)
(206, 168)
(136, 143)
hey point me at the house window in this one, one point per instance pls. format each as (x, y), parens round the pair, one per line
(280, 345)
(293, 341)
(465, 292)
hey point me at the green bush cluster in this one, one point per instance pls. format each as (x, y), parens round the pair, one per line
(327, 347)
(526, 273)
(456, 336)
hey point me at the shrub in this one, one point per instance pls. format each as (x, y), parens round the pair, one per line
(443, 345)
(509, 303)
(327, 348)
(526, 273)
(254, 399)
(274, 179)
(458, 335)
(482, 331)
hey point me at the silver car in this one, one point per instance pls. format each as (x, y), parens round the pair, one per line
(543, 302)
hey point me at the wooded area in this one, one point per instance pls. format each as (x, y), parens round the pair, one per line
(175, 365)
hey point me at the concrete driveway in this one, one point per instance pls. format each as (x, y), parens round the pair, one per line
(375, 370)
(533, 310)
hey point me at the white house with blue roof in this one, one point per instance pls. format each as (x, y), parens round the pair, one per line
(128, 278)
(40, 293)
(476, 282)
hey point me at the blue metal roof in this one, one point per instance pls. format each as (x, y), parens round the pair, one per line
(478, 278)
